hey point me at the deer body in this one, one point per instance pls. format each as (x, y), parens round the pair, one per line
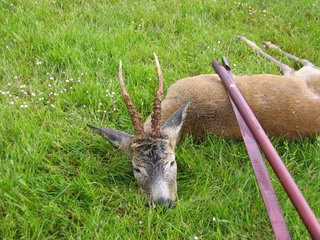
(287, 105)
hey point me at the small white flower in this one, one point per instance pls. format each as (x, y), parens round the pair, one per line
(195, 238)
(8, 84)
(219, 42)
(113, 93)
(234, 65)
(67, 80)
(100, 103)
(11, 102)
(114, 109)
(214, 219)
(65, 89)
(51, 78)
(140, 222)
(33, 94)
(87, 91)
(105, 111)
(84, 106)
(55, 94)
(22, 86)
(15, 77)
(71, 87)
(38, 62)
(51, 105)
(79, 80)
(48, 73)
(24, 106)
(49, 85)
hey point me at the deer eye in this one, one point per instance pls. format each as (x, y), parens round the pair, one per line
(172, 163)
(137, 170)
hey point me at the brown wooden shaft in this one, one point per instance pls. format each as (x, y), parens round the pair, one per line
(296, 197)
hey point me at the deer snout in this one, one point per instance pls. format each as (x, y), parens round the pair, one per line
(160, 194)
(164, 202)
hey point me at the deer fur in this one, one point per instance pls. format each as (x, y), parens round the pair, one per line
(287, 106)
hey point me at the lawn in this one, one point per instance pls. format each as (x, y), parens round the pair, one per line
(58, 71)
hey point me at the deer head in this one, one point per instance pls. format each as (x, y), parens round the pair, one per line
(152, 151)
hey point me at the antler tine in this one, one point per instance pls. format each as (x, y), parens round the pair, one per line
(135, 116)
(156, 115)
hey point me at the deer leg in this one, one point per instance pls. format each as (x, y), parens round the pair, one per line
(285, 69)
(304, 62)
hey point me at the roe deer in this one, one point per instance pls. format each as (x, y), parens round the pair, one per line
(286, 106)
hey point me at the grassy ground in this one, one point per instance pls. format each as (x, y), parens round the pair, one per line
(58, 71)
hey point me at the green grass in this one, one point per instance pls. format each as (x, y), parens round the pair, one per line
(58, 180)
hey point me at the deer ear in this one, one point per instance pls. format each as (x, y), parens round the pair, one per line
(117, 138)
(174, 123)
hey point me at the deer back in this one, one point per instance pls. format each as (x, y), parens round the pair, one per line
(285, 106)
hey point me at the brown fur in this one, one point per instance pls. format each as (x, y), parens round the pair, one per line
(285, 106)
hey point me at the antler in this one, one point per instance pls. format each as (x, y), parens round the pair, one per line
(156, 114)
(135, 116)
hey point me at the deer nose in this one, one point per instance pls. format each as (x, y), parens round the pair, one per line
(164, 202)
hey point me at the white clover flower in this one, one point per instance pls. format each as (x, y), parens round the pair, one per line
(15, 77)
(24, 106)
(71, 87)
(214, 219)
(8, 84)
(49, 85)
(195, 238)
(67, 80)
(234, 65)
(38, 62)
(33, 94)
(84, 106)
(22, 86)
(51, 105)
(11, 102)
(51, 78)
